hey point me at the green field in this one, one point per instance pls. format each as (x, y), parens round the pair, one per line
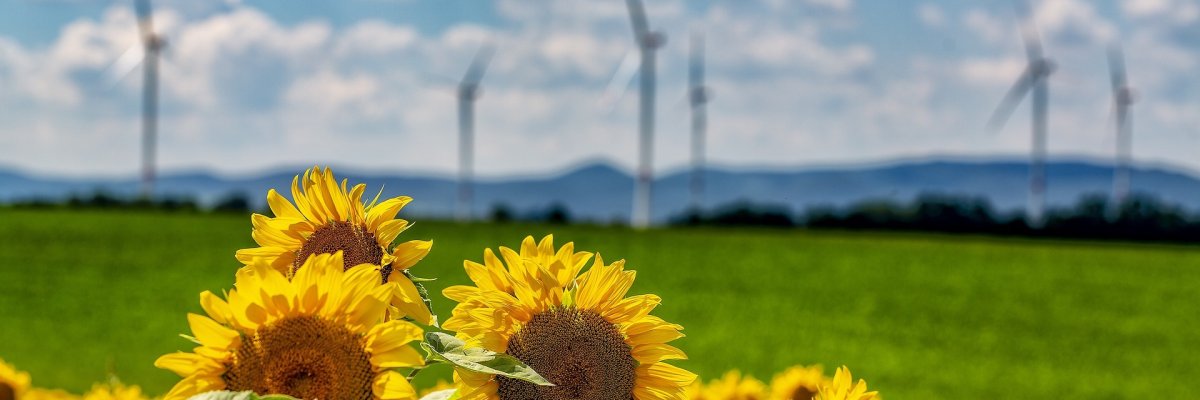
(85, 294)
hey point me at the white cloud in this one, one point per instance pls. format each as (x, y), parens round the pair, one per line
(988, 27)
(991, 72)
(1074, 22)
(375, 38)
(1141, 8)
(1176, 11)
(838, 5)
(931, 15)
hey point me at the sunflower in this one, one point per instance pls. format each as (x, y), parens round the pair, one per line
(114, 391)
(843, 388)
(320, 335)
(732, 386)
(327, 218)
(579, 331)
(798, 383)
(13, 383)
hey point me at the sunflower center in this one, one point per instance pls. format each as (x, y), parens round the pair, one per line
(304, 357)
(802, 393)
(358, 246)
(584, 355)
(7, 392)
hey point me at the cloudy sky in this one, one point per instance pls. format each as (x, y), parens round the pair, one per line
(253, 85)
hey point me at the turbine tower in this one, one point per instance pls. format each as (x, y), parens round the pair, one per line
(1122, 99)
(468, 92)
(648, 42)
(698, 96)
(152, 45)
(1033, 81)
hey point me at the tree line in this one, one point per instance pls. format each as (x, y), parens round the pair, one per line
(1141, 217)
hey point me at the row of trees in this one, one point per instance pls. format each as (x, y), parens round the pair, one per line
(235, 202)
(1140, 217)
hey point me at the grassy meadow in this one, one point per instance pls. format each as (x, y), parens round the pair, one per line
(86, 294)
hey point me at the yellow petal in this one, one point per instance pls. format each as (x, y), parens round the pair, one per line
(662, 374)
(387, 231)
(216, 308)
(401, 357)
(212, 334)
(392, 335)
(391, 385)
(192, 386)
(280, 207)
(385, 211)
(409, 253)
(187, 364)
(653, 353)
(408, 299)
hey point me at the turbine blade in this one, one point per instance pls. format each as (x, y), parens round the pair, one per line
(696, 60)
(479, 65)
(1011, 99)
(125, 64)
(145, 19)
(637, 15)
(1029, 32)
(1116, 68)
(621, 79)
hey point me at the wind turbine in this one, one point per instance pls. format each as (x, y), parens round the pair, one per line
(1033, 81)
(648, 42)
(152, 45)
(468, 92)
(698, 96)
(1122, 99)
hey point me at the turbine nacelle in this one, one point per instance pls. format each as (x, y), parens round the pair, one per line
(1125, 96)
(1043, 67)
(469, 91)
(652, 40)
(700, 95)
(154, 43)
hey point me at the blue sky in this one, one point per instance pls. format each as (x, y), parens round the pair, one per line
(251, 85)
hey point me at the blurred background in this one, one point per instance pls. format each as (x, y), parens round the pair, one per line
(771, 147)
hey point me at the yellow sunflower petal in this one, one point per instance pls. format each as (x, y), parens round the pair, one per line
(666, 374)
(408, 299)
(387, 231)
(391, 385)
(216, 308)
(281, 207)
(192, 386)
(649, 354)
(212, 334)
(407, 254)
(385, 211)
(186, 364)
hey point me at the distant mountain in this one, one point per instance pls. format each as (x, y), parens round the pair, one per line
(602, 192)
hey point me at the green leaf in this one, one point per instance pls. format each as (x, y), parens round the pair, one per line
(424, 295)
(408, 273)
(246, 395)
(448, 394)
(447, 348)
(190, 339)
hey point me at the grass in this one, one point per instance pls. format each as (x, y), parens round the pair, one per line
(85, 294)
